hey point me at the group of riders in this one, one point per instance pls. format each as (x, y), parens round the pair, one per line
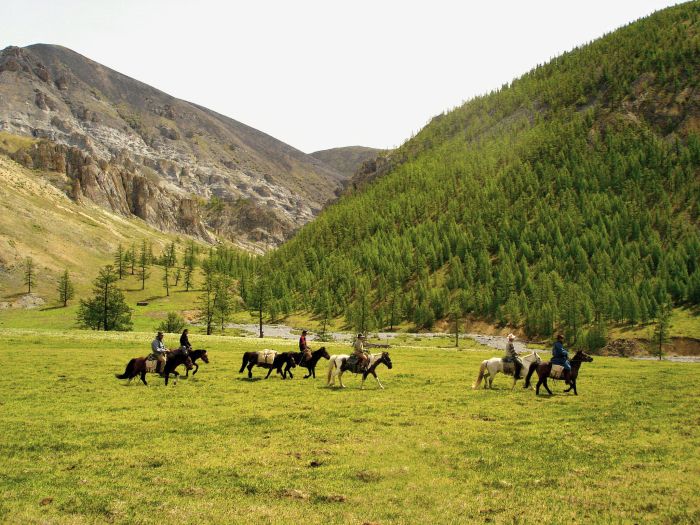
(560, 356)
(159, 351)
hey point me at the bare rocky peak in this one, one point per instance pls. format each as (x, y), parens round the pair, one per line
(145, 146)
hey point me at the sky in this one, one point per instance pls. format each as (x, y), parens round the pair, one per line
(321, 74)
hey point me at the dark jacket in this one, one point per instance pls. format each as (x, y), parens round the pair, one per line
(559, 355)
(185, 341)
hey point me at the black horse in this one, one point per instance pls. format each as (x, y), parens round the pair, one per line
(544, 369)
(194, 355)
(137, 366)
(281, 359)
(310, 365)
(341, 362)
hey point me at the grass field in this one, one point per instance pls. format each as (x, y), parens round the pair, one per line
(79, 446)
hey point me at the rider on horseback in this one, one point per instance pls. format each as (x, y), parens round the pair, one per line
(304, 348)
(512, 356)
(360, 352)
(561, 357)
(158, 352)
(185, 345)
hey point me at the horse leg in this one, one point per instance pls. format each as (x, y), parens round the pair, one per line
(250, 371)
(143, 377)
(340, 378)
(313, 372)
(573, 385)
(196, 367)
(544, 382)
(378, 381)
(269, 371)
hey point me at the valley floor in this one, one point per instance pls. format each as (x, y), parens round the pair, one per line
(80, 446)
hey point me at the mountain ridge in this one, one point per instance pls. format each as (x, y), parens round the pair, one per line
(264, 189)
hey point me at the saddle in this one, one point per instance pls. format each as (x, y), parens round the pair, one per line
(353, 365)
(557, 372)
(266, 357)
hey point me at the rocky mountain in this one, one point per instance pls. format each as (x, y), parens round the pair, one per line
(138, 151)
(347, 160)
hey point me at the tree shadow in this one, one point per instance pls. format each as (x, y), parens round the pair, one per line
(49, 308)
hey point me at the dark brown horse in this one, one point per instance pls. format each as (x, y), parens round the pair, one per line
(137, 366)
(544, 369)
(250, 359)
(194, 355)
(310, 365)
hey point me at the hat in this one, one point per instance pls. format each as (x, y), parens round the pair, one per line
(360, 336)
(160, 333)
(560, 337)
(511, 337)
(304, 332)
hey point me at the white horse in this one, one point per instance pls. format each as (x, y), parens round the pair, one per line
(490, 367)
(337, 363)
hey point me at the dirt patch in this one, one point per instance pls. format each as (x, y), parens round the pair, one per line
(624, 348)
(26, 301)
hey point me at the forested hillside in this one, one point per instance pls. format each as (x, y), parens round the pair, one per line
(570, 196)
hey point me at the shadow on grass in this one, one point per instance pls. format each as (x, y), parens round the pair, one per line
(250, 379)
(49, 308)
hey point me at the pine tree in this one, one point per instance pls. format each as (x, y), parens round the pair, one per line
(120, 261)
(65, 288)
(143, 265)
(205, 301)
(132, 258)
(107, 309)
(29, 273)
(223, 304)
(661, 330)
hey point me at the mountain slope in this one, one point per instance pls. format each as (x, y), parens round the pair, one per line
(141, 141)
(346, 160)
(568, 197)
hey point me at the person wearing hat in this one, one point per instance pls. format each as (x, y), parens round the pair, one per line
(158, 351)
(561, 357)
(360, 352)
(303, 347)
(512, 356)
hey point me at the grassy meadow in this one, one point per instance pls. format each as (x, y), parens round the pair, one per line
(79, 446)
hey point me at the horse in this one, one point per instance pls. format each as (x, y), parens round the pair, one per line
(340, 363)
(544, 369)
(310, 365)
(250, 359)
(490, 367)
(194, 355)
(137, 366)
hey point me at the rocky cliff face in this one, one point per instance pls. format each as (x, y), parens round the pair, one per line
(136, 150)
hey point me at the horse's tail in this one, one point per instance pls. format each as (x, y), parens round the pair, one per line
(245, 362)
(331, 366)
(482, 368)
(129, 372)
(533, 367)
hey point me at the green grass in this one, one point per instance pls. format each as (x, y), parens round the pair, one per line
(79, 446)
(685, 322)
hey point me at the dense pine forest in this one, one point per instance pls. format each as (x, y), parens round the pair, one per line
(565, 200)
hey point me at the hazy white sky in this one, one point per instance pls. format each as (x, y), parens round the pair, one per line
(320, 74)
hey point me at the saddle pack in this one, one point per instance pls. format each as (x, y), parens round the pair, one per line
(266, 357)
(557, 372)
(151, 364)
